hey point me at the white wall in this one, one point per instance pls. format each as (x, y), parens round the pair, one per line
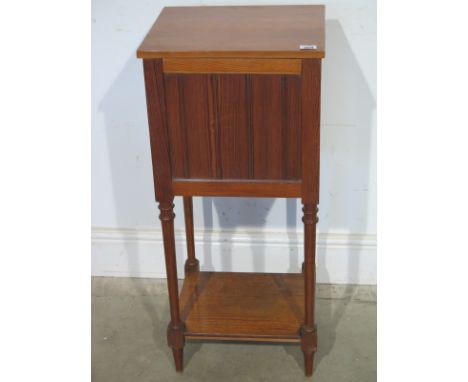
(234, 234)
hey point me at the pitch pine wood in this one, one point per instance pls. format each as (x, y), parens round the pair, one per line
(222, 65)
(158, 130)
(308, 329)
(191, 263)
(254, 188)
(231, 31)
(251, 306)
(234, 110)
(175, 330)
(310, 93)
(234, 126)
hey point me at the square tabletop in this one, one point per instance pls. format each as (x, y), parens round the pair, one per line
(290, 31)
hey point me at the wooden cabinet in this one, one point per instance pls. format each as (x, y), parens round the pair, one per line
(233, 103)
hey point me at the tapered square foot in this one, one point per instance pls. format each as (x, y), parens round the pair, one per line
(309, 347)
(178, 359)
(308, 363)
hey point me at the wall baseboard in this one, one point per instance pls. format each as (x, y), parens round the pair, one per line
(341, 258)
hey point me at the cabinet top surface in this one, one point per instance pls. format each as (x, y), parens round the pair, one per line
(241, 31)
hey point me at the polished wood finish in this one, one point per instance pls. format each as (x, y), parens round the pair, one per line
(234, 110)
(253, 188)
(308, 329)
(191, 264)
(251, 306)
(234, 126)
(246, 32)
(220, 65)
(311, 76)
(175, 329)
(158, 130)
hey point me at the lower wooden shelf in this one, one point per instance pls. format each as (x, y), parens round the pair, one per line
(266, 307)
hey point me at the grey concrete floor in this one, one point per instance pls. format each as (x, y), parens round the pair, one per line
(130, 316)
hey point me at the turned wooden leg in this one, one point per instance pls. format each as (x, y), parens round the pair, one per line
(309, 330)
(175, 329)
(191, 264)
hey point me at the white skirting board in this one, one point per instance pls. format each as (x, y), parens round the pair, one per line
(341, 258)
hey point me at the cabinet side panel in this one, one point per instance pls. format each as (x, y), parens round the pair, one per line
(233, 125)
(267, 124)
(156, 107)
(195, 120)
(177, 133)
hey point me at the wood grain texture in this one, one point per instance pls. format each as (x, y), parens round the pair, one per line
(192, 263)
(189, 124)
(233, 31)
(311, 76)
(176, 129)
(196, 121)
(310, 220)
(254, 188)
(234, 126)
(223, 65)
(236, 113)
(167, 222)
(176, 328)
(248, 306)
(267, 126)
(291, 130)
(308, 329)
(159, 139)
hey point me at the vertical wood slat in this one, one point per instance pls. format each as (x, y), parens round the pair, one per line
(213, 125)
(234, 126)
(267, 126)
(177, 134)
(311, 70)
(195, 100)
(292, 128)
(250, 140)
(156, 108)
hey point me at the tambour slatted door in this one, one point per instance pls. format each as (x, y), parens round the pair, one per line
(234, 126)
